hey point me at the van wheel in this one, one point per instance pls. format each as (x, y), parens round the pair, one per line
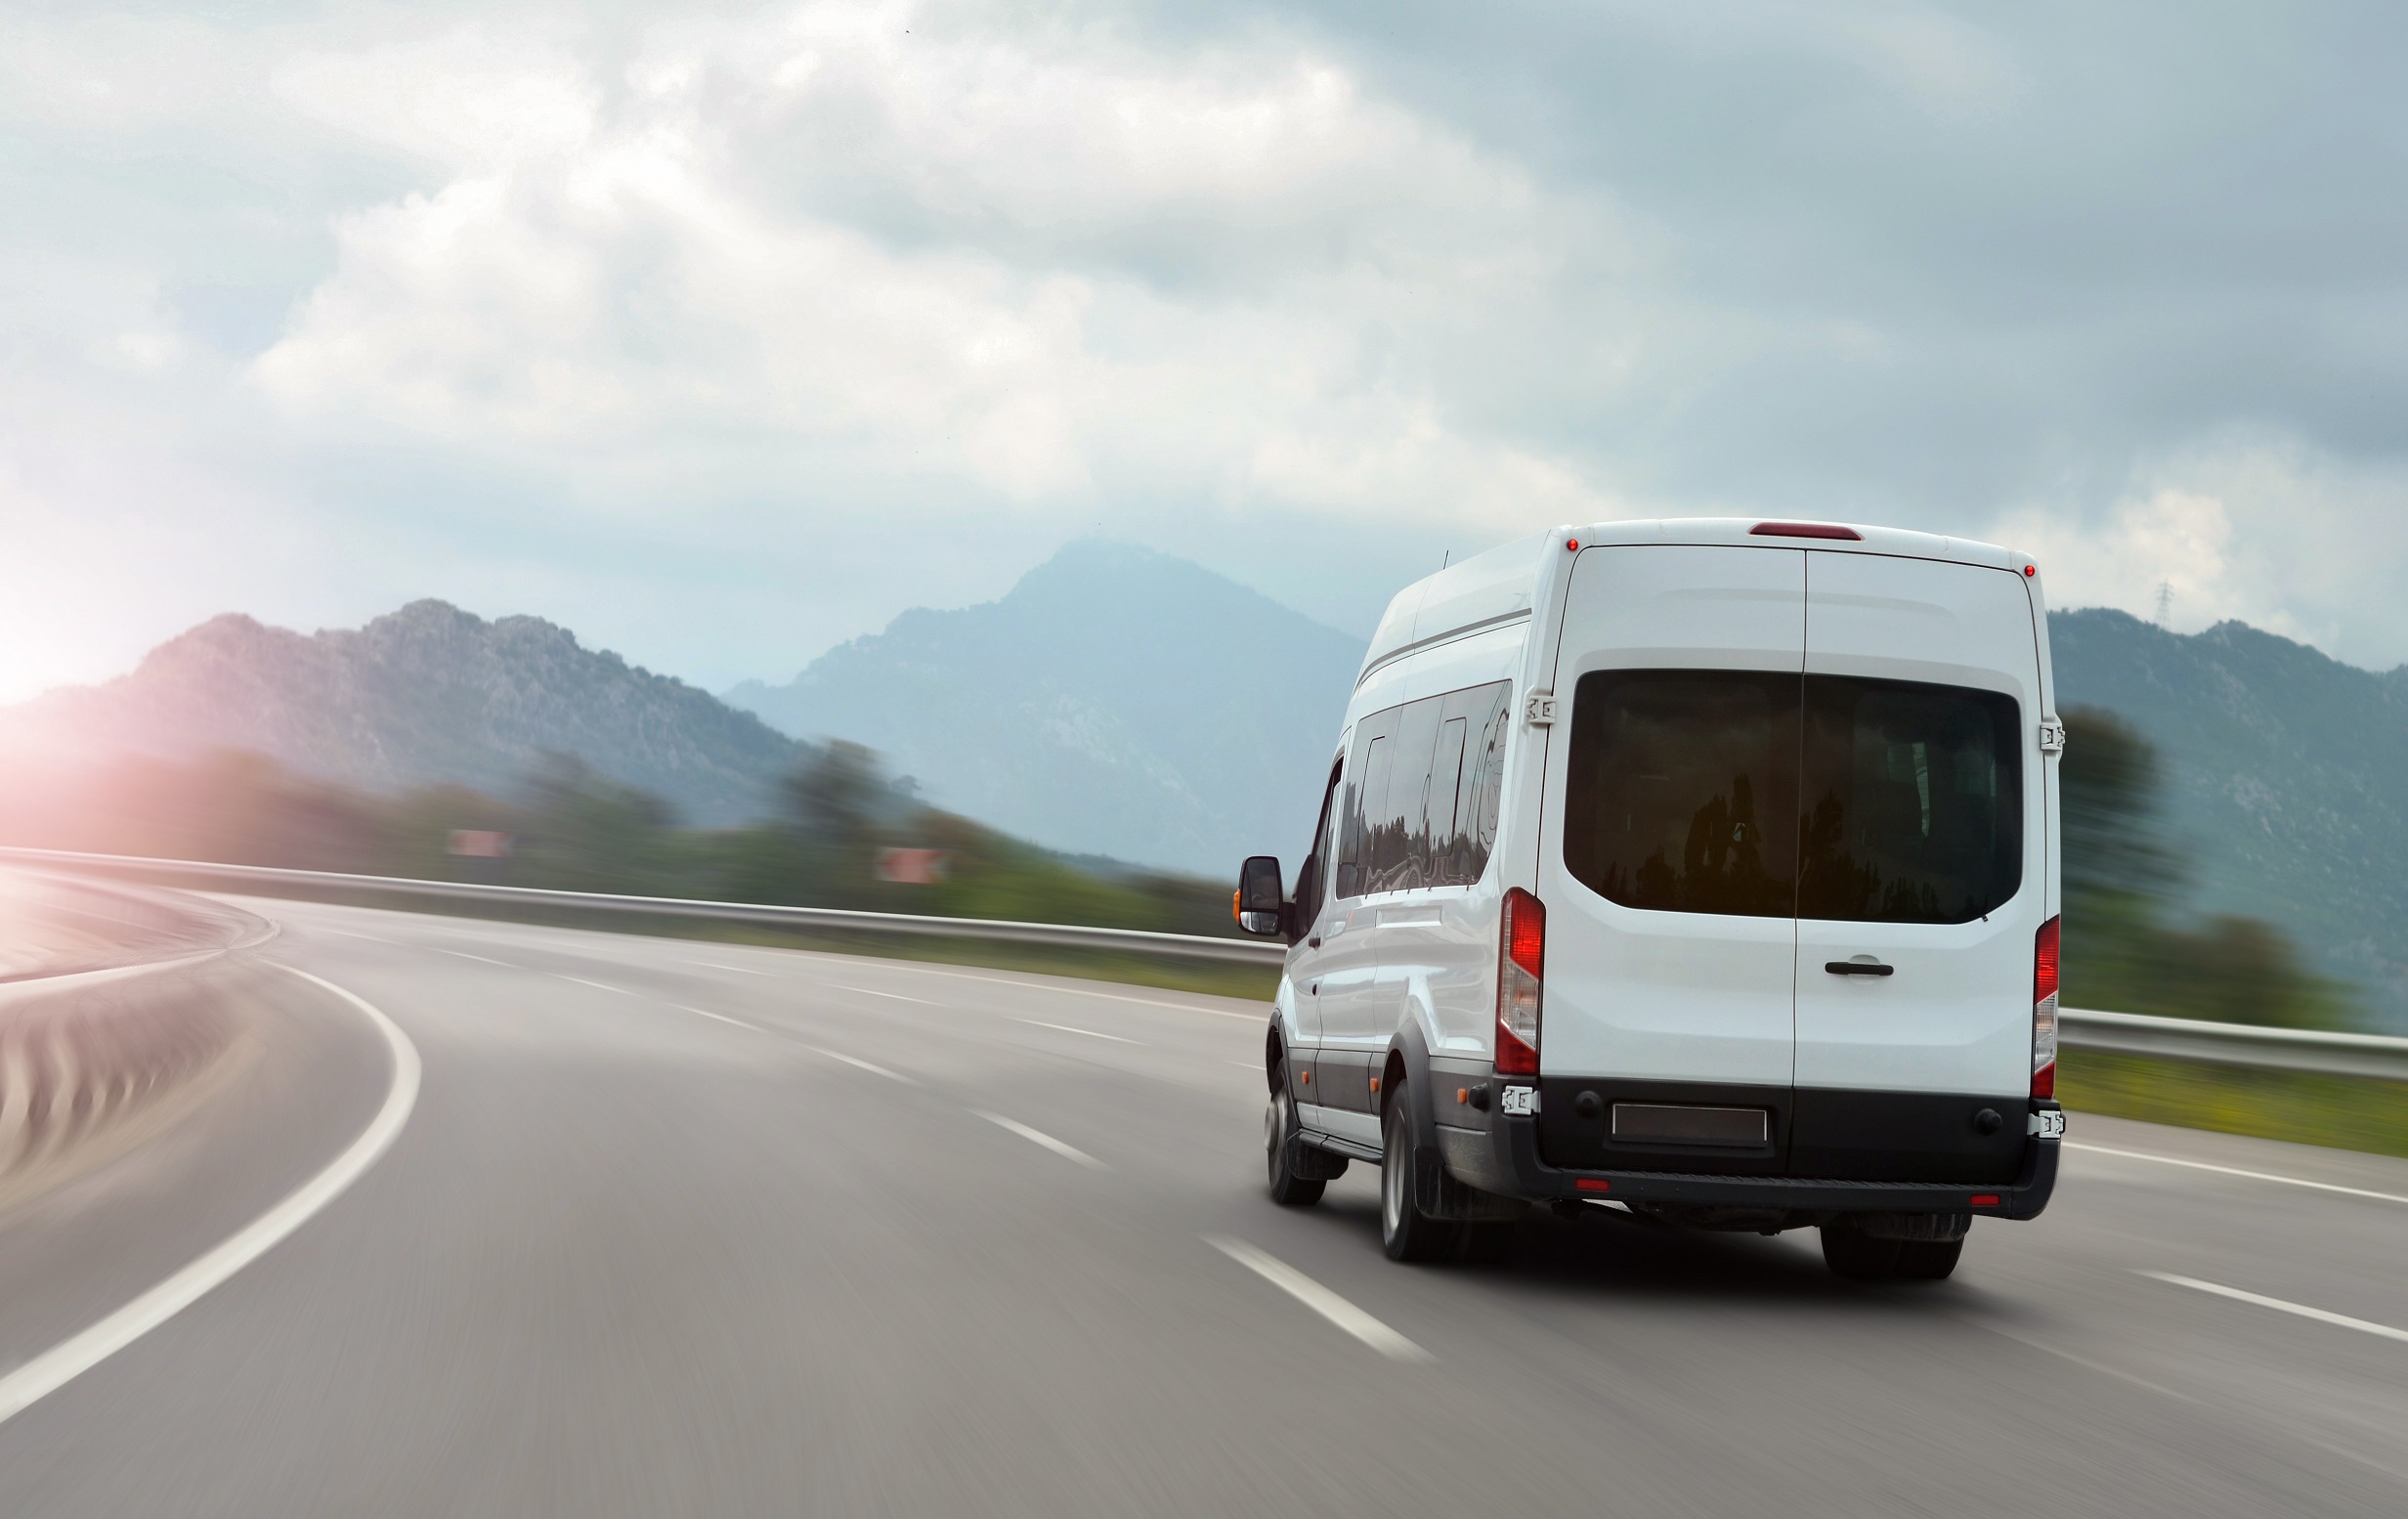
(1279, 1131)
(1406, 1232)
(1928, 1260)
(1850, 1252)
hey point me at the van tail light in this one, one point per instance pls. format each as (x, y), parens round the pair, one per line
(2045, 1011)
(1522, 961)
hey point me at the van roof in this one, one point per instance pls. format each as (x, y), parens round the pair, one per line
(1496, 587)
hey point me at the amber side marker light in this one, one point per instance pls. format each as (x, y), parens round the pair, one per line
(1805, 530)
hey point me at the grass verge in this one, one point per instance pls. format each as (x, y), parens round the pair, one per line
(2337, 1112)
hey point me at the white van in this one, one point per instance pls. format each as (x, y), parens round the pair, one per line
(1707, 868)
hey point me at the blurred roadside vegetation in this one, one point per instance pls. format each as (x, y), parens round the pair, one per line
(573, 829)
(2300, 1107)
(2128, 944)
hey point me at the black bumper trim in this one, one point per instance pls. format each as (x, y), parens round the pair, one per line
(1516, 1142)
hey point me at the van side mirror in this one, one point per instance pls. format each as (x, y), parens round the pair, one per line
(1259, 904)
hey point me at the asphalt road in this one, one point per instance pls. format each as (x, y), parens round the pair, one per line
(689, 1229)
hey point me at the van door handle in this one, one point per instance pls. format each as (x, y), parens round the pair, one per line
(1857, 968)
(1313, 942)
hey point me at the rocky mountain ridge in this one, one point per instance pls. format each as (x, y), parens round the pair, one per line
(423, 695)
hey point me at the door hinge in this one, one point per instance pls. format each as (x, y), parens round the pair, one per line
(1538, 708)
(2052, 736)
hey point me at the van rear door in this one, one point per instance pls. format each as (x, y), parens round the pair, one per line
(1922, 870)
(1668, 864)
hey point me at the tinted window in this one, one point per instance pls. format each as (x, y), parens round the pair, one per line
(1366, 788)
(1914, 802)
(1682, 790)
(1462, 831)
(1399, 837)
(1313, 876)
(1421, 796)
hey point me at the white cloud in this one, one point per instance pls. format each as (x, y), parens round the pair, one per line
(2267, 531)
(612, 278)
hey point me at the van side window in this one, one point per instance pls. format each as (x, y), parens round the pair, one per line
(1366, 786)
(1486, 712)
(1422, 793)
(1682, 790)
(1399, 837)
(1313, 876)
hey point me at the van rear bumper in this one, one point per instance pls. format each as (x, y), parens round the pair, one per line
(1514, 1167)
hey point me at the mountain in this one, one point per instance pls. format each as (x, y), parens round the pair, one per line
(426, 694)
(2283, 779)
(1115, 702)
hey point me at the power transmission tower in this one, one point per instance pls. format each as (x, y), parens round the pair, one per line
(2165, 602)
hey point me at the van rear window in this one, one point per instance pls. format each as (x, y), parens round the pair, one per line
(1767, 795)
(1914, 802)
(1683, 790)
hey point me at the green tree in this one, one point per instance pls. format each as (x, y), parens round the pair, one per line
(2127, 946)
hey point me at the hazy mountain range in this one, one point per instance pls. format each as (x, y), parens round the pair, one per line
(1116, 702)
(1124, 703)
(426, 694)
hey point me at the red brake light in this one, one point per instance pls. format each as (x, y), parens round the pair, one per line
(1522, 962)
(2044, 1010)
(1805, 530)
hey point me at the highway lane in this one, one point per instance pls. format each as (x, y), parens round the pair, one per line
(683, 1228)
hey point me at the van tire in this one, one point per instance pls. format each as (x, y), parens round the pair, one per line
(1852, 1253)
(1279, 1132)
(1406, 1232)
(1928, 1260)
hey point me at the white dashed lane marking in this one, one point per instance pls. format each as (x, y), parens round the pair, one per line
(1041, 1138)
(1065, 1028)
(2342, 1320)
(1320, 1299)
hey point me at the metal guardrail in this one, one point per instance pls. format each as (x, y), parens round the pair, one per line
(1190, 946)
(2128, 1033)
(2236, 1044)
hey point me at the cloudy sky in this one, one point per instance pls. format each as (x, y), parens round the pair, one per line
(721, 334)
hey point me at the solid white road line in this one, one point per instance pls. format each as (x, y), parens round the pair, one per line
(2225, 1170)
(462, 954)
(721, 1017)
(1040, 1137)
(62, 1363)
(893, 996)
(347, 934)
(596, 985)
(2363, 1325)
(1320, 1299)
(875, 1071)
(713, 965)
(1035, 1022)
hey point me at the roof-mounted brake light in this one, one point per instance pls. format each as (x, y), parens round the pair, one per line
(1805, 530)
